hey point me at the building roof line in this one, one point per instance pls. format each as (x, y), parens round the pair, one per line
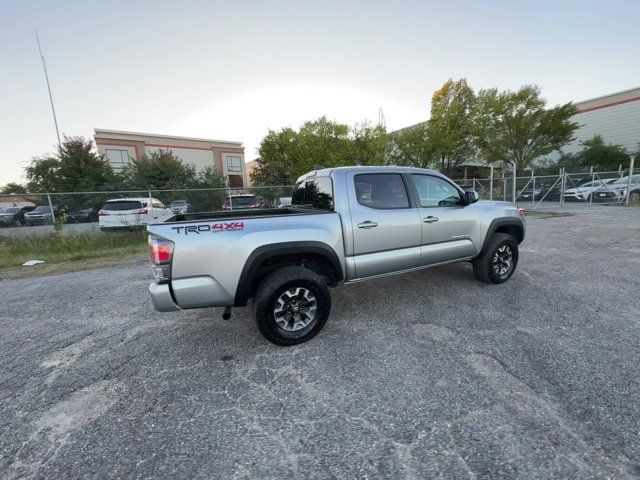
(99, 131)
(602, 97)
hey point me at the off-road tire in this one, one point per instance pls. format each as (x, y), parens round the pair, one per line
(483, 264)
(272, 287)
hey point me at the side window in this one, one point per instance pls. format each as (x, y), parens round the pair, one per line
(436, 192)
(381, 190)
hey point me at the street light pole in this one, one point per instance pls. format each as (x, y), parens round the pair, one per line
(46, 76)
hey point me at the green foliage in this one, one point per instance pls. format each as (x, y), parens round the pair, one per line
(13, 187)
(516, 127)
(161, 170)
(450, 127)
(75, 167)
(412, 147)
(287, 153)
(596, 153)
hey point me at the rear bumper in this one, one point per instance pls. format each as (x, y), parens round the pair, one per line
(161, 298)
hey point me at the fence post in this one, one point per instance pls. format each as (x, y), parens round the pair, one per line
(533, 190)
(53, 214)
(514, 183)
(491, 182)
(563, 179)
(593, 187)
(229, 193)
(631, 162)
(504, 187)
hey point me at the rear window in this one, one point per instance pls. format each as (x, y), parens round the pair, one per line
(122, 205)
(241, 201)
(11, 210)
(313, 193)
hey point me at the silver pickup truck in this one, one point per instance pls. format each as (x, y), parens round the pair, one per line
(344, 225)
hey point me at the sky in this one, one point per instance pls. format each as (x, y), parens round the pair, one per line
(233, 70)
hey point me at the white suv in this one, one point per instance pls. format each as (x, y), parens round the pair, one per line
(132, 212)
(583, 192)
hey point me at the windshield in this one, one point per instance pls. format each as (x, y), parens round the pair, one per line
(42, 209)
(625, 180)
(123, 205)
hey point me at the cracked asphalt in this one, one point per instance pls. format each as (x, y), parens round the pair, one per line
(430, 374)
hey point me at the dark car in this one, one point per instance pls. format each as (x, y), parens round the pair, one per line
(82, 215)
(13, 216)
(242, 202)
(41, 215)
(545, 192)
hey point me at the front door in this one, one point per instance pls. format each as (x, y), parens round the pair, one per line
(386, 225)
(448, 225)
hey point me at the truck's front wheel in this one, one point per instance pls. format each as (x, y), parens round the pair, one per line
(498, 262)
(291, 305)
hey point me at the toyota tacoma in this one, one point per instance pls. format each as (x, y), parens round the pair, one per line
(344, 225)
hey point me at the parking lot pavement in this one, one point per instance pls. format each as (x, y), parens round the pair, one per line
(422, 375)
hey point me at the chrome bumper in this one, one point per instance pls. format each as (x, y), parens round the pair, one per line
(161, 298)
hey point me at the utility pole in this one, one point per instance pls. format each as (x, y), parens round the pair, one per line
(46, 76)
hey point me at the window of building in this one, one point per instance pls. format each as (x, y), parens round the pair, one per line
(234, 164)
(381, 190)
(117, 158)
(436, 192)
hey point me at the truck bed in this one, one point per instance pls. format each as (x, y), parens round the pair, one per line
(240, 214)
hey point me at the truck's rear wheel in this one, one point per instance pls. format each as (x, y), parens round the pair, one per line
(291, 305)
(499, 260)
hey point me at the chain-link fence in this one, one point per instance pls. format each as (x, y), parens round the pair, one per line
(542, 191)
(131, 208)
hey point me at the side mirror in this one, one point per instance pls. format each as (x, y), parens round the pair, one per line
(470, 196)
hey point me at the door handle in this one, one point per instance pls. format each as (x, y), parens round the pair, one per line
(367, 224)
(430, 219)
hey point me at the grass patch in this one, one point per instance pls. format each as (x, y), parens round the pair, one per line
(57, 249)
(540, 214)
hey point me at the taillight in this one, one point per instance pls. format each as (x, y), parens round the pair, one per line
(257, 205)
(144, 211)
(102, 213)
(161, 254)
(226, 207)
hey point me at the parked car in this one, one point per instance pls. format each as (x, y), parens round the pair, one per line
(546, 192)
(132, 212)
(82, 215)
(617, 191)
(282, 202)
(582, 193)
(345, 225)
(14, 216)
(179, 206)
(41, 215)
(243, 201)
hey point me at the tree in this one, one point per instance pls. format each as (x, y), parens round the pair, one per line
(286, 154)
(75, 167)
(370, 144)
(515, 127)
(42, 174)
(13, 187)
(161, 170)
(450, 126)
(412, 147)
(603, 157)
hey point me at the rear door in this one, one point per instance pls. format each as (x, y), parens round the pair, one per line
(386, 224)
(448, 225)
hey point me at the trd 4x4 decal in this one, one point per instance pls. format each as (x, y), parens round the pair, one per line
(213, 228)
